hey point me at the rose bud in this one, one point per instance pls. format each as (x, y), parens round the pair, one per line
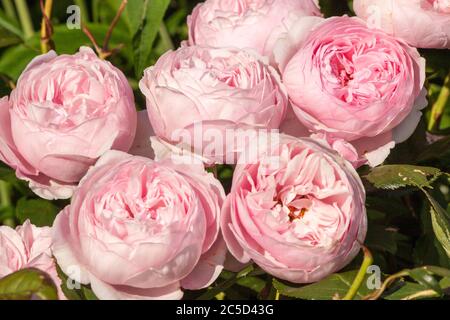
(353, 84)
(28, 247)
(297, 211)
(212, 91)
(244, 24)
(65, 112)
(140, 229)
(421, 23)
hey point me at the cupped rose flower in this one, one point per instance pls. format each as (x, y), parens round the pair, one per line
(421, 23)
(245, 23)
(353, 83)
(139, 229)
(65, 112)
(28, 247)
(297, 211)
(211, 91)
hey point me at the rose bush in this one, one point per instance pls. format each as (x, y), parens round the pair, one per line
(421, 23)
(297, 211)
(243, 24)
(355, 84)
(65, 112)
(216, 89)
(190, 191)
(138, 229)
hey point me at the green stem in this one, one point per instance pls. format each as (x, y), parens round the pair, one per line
(165, 37)
(389, 280)
(25, 18)
(5, 194)
(439, 106)
(422, 294)
(9, 9)
(368, 259)
(83, 9)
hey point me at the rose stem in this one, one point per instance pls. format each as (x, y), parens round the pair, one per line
(46, 26)
(389, 280)
(25, 18)
(368, 259)
(92, 39)
(113, 25)
(439, 106)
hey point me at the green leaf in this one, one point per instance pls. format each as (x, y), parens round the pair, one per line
(40, 212)
(28, 284)
(78, 291)
(10, 25)
(426, 279)
(88, 293)
(440, 222)
(153, 14)
(253, 283)
(7, 38)
(427, 285)
(14, 60)
(397, 176)
(134, 15)
(445, 283)
(71, 294)
(333, 287)
(439, 271)
(249, 271)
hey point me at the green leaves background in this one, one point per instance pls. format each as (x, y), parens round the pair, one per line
(407, 198)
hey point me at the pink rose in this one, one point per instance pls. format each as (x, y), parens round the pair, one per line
(65, 113)
(244, 24)
(298, 211)
(139, 229)
(353, 83)
(421, 23)
(211, 90)
(27, 247)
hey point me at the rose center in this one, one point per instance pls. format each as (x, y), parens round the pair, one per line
(294, 214)
(292, 210)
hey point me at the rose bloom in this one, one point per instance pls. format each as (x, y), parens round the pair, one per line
(243, 24)
(27, 247)
(355, 86)
(139, 229)
(297, 211)
(65, 112)
(421, 23)
(217, 89)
